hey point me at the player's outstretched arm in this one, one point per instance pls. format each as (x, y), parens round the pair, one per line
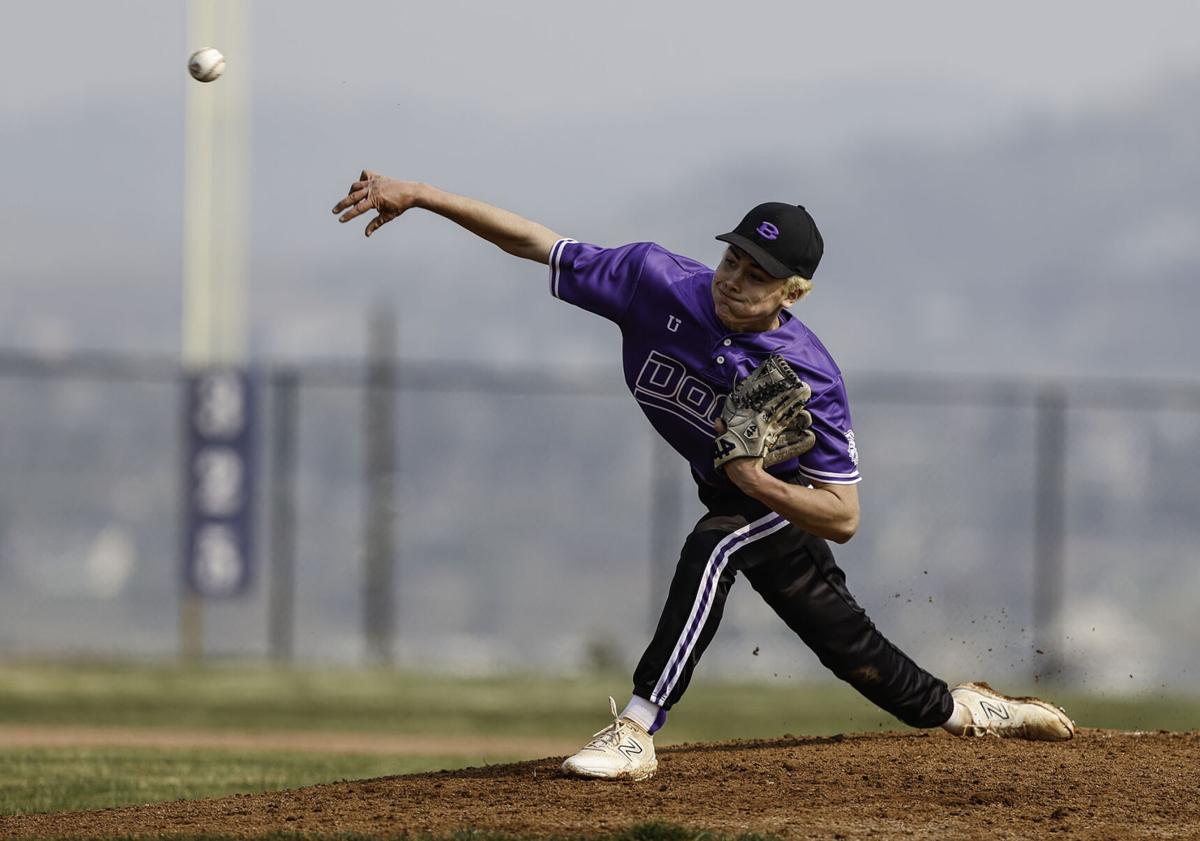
(390, 197)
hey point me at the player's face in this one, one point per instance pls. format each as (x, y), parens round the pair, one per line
(747, 299)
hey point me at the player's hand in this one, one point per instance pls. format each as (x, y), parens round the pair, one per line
(377, 192)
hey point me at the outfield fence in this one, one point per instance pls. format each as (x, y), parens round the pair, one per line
(464, 516)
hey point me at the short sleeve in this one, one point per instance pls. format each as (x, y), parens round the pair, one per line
(833, 460)
(600, 280)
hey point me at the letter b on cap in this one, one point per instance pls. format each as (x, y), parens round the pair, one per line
(767, 231)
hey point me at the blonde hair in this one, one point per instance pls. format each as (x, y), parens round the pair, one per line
(798, 286)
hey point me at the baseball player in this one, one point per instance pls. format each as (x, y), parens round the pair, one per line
(691, 337)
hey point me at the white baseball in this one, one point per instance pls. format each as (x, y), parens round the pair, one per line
(206, 65)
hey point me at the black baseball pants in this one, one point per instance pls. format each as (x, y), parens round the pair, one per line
(797, 576)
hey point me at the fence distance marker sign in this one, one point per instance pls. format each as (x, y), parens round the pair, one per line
(218, 476)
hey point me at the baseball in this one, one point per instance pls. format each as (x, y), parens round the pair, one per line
(206, 65)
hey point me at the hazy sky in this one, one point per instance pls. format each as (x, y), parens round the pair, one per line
(543, 55)
(597, 119)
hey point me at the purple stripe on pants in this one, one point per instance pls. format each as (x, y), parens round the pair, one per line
(768, 525)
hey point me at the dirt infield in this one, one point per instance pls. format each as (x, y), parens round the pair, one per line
(1104, 784)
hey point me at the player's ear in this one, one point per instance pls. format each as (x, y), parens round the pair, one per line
(796, 288)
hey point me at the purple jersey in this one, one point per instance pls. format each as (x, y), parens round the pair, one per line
(681, 361)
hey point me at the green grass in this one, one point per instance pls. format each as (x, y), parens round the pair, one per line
(241, 696)
(340, 699)
(63, 779)
(1142, 711)
(249, 697)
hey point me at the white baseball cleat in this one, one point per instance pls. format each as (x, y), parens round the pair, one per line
(994, 714)
(621, 751)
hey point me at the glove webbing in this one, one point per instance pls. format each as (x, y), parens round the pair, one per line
(762, 393)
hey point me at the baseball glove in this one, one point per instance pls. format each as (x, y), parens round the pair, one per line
(765, 417)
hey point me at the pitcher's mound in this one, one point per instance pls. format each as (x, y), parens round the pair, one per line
(1102, 784)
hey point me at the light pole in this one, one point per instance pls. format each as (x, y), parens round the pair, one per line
(216, 152)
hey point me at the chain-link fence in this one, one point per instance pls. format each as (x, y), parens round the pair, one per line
(532, 520)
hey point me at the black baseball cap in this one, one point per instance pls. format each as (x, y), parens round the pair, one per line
(780, 237)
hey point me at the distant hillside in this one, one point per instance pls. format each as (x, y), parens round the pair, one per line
(1064, 245)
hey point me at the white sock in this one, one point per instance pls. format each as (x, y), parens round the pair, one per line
(959, 720)
(641, 712)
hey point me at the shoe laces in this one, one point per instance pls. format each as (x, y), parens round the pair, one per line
(610, 736)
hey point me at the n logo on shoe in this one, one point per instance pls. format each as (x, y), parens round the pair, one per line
(630, 749)
(994, 710)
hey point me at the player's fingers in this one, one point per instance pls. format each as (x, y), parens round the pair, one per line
(350, 200)
(788, 446)
(720, 426)
(358, 210)
(380, 220)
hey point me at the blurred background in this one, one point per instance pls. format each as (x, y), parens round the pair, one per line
(1010, 199)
